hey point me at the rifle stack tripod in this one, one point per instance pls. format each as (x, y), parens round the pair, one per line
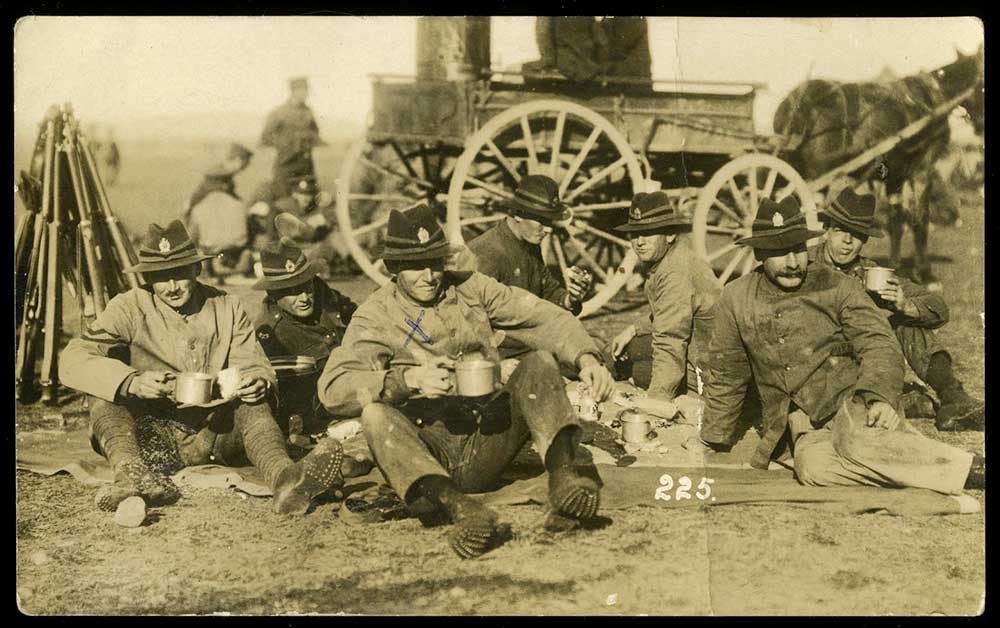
(68, 234)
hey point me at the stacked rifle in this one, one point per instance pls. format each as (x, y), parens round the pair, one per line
(68, 235)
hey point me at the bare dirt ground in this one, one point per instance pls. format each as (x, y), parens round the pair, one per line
(219, 552)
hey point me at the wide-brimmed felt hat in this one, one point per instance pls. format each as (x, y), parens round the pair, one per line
(414, 234)
(284, 265)
(654, 211)
(854, 212)
(167, 247)
(779, 225)
(537, 198)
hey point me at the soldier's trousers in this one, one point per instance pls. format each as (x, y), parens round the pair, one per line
(170, 439)
(918, 345)
(468, 440)
(846, 452)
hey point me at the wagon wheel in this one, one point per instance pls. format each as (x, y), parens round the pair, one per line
(728, 204)
(378, 176)
(597, 171)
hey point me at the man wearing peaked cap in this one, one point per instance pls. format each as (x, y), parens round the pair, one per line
(511, 251)
(667, 357)
(291, 129)
(129, 358)
(828, 369)
(306, 202)
(914, 312)
(394, 369)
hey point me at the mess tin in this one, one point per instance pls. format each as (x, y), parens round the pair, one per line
(635, 427)
(475, 378)
(193, 387)
(877, 278)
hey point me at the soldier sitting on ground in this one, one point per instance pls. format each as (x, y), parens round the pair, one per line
(913, 312)
(828, 368)
(433, 446)
(128, 359)
(302, 316)
(307, 203)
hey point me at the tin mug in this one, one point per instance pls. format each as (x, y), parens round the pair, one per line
(475, 378)
(635, 427)
(877, 278)
(193, 387)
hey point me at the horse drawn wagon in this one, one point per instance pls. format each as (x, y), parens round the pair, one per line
(462, 139)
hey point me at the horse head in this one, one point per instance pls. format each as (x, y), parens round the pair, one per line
(965, 72)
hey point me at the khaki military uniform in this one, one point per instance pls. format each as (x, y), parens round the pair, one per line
(809, 351)
(292, 130)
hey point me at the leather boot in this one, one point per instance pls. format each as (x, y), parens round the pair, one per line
(977, 473)
(960, 412)
(317, 473)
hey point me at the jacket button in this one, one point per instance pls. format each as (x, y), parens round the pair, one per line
(419, 422)
(781, 341)
(778, 315)
(788, 368)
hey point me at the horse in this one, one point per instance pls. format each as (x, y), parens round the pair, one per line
(825, 123)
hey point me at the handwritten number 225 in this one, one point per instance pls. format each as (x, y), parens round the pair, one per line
(683, 491)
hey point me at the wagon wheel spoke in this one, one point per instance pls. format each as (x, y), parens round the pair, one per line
(784, 193)
(600, 206)
(378, 224)
(577, 162)
(754, 200)
(583, 187)
(382, 198)
(483, 220)
(406, 162)
(601, 234)
(725, 209)
(380, 168)
(719, 252)
(735, 232)
(556, 244)
(772, 176)
(731, 266)
(503, 160)
(591, 262)
(529, 144)
(748, 265)
(557, 143)
(738, 197)
(489, 187)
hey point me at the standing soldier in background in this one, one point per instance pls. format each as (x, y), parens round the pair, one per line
(292, 130)
(105, 149)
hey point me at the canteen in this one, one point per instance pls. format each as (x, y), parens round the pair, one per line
(877, 278)
(192, 387)
(475, 378)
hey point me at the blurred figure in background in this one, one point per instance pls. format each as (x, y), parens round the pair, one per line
(106, 154)
(216, 217)
(291, 129)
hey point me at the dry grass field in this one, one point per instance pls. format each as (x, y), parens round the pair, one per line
(215, 552)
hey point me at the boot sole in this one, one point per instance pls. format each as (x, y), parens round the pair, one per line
(473, 536)
(314, 475)
(968, 422)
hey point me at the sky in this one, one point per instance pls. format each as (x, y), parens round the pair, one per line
(119, 68)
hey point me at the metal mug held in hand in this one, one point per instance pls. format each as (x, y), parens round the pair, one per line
(193, 387)
(877, 278)
(475, 378)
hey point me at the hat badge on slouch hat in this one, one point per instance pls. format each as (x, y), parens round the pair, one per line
(423, 236)
(290, 266)
(165, 248)
(778, 220)
(164, 245)
(656, 212)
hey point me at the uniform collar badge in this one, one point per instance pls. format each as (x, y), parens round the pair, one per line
(423, 236)
(164, 245)
(778, 220)
(290, 266)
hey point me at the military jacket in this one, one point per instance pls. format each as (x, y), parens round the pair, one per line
(280, 333)
(389, 333)
(809, 347)
(682, 290)
(932, 310)
(514, 262)
(291, 128)
(139, 332)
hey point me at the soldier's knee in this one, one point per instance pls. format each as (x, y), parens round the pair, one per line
(378, 417)
(812, 462)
